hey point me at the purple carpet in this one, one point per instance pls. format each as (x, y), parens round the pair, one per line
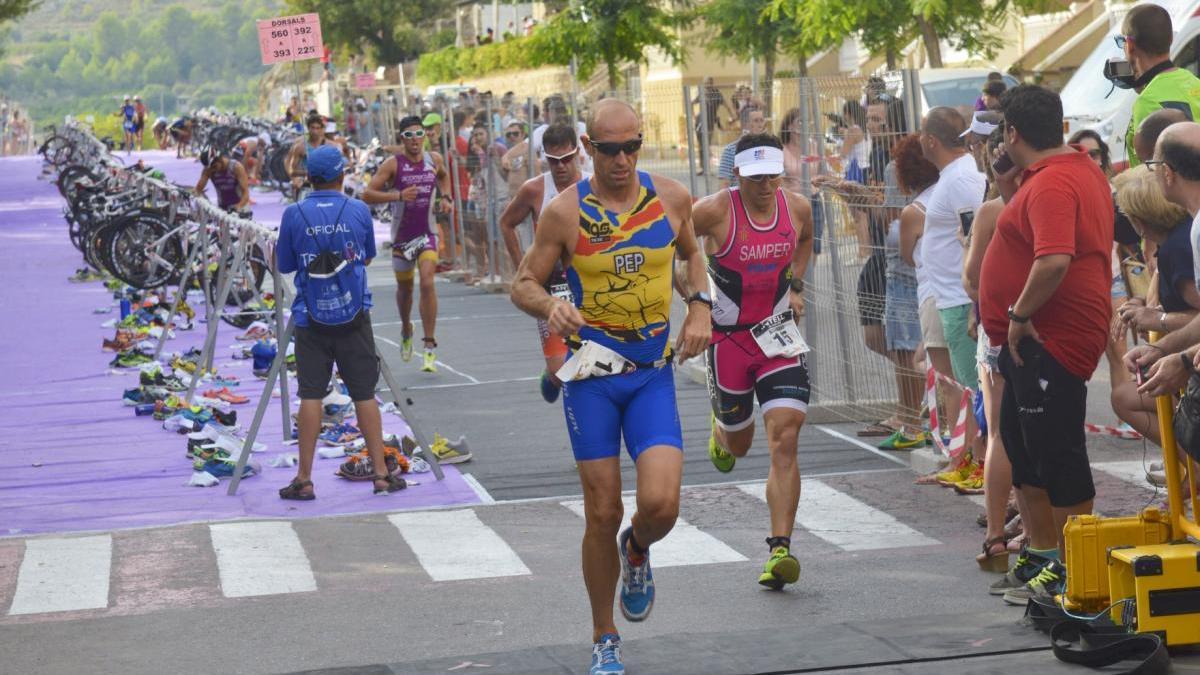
(72, 457)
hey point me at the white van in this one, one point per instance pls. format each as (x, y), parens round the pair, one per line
(1091, 102)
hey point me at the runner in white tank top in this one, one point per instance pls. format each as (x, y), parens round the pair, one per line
(562, 155)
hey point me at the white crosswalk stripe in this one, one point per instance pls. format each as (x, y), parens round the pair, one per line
(436, 537)
(59, 575)
(844, 521)
(684, 545)
(261, 558)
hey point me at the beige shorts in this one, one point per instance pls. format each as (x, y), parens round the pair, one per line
(931, 325)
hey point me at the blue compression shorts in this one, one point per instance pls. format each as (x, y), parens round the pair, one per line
(639, 405)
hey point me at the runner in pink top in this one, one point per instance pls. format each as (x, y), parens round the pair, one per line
(759, 239)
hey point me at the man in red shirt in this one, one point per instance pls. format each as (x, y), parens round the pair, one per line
(1044, 295)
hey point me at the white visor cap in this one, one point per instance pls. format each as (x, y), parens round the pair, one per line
(762, 160)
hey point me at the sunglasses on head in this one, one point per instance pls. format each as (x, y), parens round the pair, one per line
(763, 177)
(562, 159)
(614, 148)
(419, 133)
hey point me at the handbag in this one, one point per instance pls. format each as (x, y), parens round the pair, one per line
(1186, 422)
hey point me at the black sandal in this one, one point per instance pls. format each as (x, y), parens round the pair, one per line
(295, 490)
(394, 484)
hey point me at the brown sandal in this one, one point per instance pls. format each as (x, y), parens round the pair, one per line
(994, 557)
(297, 490)
(394, 484)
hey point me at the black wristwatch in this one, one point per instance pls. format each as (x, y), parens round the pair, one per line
(797, 284)
(701, 296)
(1016, 318)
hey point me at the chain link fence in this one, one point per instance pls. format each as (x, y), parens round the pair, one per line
(839, 128)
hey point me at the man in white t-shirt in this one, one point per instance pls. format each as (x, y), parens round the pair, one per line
(951, 209)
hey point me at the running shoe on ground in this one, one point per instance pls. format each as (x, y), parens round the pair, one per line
(1023, 570)
(263, 353)
(130, 359)
(257, 331)
(781, 568)
(902, 441)
(606, 656)
(721, 458)
(1049, 582)
(358, 467)
(406, 348)
(227, 396)
(341, 435)
(550, 390)
(429, 364)
(450, 453)
(637, 581)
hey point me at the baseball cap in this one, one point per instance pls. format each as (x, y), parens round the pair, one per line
(431, 119)
(983, 123)
(325, 164)
(762, 160)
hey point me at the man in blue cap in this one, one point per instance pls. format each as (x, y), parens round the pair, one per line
(328, 239)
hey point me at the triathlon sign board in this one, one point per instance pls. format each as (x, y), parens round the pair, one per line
(290, 38)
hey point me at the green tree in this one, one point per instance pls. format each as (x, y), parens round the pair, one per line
(110, 37)
(744, 29)
(612, 33)
(14, 9)
(386, 26)
(886, 26)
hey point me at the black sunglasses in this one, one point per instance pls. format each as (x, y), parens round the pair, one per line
(614, 148)
(511, 134)
(1151, 163)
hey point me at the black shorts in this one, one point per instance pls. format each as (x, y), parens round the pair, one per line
(872, 290)
(354, 353)
(1041, 423)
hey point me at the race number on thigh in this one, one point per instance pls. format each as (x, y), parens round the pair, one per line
(779, 335)
(410, 249)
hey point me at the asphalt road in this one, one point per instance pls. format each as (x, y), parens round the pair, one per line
(498, 585)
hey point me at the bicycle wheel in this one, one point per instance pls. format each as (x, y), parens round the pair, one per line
(142, 249)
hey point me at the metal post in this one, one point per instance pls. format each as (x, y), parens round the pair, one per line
(405, 412)
(210, 342)
(754, 77)
(493, 231)
(457, 221)
(285, 402)
(912, 97)
(533, 168)
(705, 139)
(180, 295)
(261, 410)
(691, 138)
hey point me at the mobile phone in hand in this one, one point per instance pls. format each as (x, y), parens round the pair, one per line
(1003, 164)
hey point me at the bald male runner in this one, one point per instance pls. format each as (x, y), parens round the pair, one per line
(617, 235)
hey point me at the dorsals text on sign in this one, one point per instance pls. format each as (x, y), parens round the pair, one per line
(290, 38)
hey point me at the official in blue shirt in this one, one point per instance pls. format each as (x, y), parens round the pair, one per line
(329, 228)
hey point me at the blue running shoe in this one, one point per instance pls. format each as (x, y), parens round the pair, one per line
(606, 656)
(637, 582)
(549, 389)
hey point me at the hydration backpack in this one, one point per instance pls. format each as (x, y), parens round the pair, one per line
(328, 295)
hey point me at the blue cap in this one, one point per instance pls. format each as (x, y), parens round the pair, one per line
(325, 164)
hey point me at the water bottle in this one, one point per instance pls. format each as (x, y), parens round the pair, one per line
(125, 307)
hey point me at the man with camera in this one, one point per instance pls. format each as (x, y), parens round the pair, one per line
(1146, 38)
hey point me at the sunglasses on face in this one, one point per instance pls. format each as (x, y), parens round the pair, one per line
(419, 133)
(511, 134)
(768, 177)
(1152, 163)
(562, 159)
(614, 148)
(1120, 40)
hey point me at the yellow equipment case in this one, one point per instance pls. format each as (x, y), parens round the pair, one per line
(1160, 586)
(1088, 540)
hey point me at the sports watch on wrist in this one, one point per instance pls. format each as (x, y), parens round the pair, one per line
(796, 284)
(700, 296)
(1016, 318)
